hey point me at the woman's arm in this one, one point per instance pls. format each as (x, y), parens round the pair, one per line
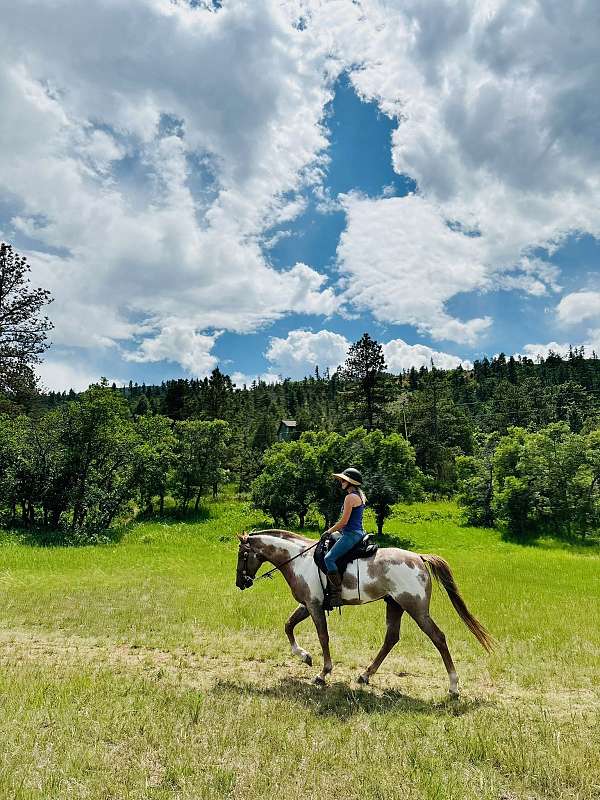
(350, 501)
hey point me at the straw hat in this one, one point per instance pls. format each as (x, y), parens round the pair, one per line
(350, 475)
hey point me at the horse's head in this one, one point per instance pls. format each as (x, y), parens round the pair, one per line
(248, 562)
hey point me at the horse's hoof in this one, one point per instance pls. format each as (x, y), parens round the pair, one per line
(364, 679)
(454, 694)
(318, 680)
(307, 659)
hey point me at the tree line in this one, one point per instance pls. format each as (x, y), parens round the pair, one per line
(82, 465)
(534, 481)
(185, 436)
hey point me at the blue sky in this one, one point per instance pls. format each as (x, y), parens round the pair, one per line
(282, 188)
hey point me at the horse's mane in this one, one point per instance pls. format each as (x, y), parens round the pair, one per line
(281, 534)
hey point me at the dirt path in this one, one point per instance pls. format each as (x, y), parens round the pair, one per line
(192, 670)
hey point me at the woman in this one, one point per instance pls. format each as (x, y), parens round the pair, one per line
(351, 526)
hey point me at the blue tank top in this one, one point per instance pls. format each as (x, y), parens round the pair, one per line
(355, 523)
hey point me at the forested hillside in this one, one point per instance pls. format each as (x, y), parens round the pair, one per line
(440, 412)
(517, 440)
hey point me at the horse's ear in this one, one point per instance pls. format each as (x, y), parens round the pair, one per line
(242, 536)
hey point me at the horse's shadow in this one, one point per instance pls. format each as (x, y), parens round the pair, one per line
(343, 702)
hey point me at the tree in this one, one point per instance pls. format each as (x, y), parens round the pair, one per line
(201, 451)
(439, 430)
(333, 454)
(389, 471)
(513, 497)
(364, 369)
(13, 435)
(99, 438)
(142, 406)
(288, 484)
(154, 458)
(476, 481)
(218, 395)
(297, 474)
(23, 331)
(548, 480)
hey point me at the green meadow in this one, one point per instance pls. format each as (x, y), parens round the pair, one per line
(135, 669)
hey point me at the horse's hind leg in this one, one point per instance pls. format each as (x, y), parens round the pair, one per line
(429, 627)
(300, 614)
(393, 617)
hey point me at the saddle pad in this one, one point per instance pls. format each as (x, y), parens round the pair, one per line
(366, 548)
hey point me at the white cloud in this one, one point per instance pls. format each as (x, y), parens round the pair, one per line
(301, 351)
(496, 122)
(60, 374)
(535, 351)
(579, 306)
(242, 379)
(147, 238)
(181, 343)
(498, 128)
(402, 356)
(384, 270)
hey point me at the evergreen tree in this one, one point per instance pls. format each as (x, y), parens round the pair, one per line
(364, 369)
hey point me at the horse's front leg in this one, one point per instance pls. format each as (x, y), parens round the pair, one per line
(300, 614)
(320, 620)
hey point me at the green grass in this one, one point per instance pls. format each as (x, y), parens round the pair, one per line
(137, 670)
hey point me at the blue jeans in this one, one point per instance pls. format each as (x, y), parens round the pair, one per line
(346, 542)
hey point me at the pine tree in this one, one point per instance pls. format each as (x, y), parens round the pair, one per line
(364, 369)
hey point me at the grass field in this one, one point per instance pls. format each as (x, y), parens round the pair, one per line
(138, 670)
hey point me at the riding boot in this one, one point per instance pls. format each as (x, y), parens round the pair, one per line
(335, 589)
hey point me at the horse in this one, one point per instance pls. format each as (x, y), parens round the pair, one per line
(401, 578)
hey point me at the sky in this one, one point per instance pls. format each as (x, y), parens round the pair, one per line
(253, 184)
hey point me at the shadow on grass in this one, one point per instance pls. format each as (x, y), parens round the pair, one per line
(43, 537)
(549, 540)
(172, 516)
(342, 702)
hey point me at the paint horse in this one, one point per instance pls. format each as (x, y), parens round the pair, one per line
(399, 577)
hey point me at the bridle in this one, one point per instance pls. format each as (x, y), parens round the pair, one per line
(248, 580)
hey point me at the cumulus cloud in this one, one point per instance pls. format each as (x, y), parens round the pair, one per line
(578, 307)
(535, 351)
(99, 151)
(180, 343)
(148, 184)
(59, 374)
(496, 125)
(241, 379)
(381, 258)
(301, 351)
(399, 356)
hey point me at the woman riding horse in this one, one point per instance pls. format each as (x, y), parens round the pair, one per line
(351, 526)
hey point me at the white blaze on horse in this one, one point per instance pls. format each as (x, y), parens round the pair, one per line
(399, 577)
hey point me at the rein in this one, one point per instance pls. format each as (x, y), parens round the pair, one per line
(270, 572)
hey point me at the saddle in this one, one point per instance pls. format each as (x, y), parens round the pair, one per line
(366, 548)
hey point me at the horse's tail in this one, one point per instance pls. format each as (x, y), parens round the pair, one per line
(443, 574)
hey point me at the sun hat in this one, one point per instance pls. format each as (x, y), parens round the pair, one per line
(350, 475)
